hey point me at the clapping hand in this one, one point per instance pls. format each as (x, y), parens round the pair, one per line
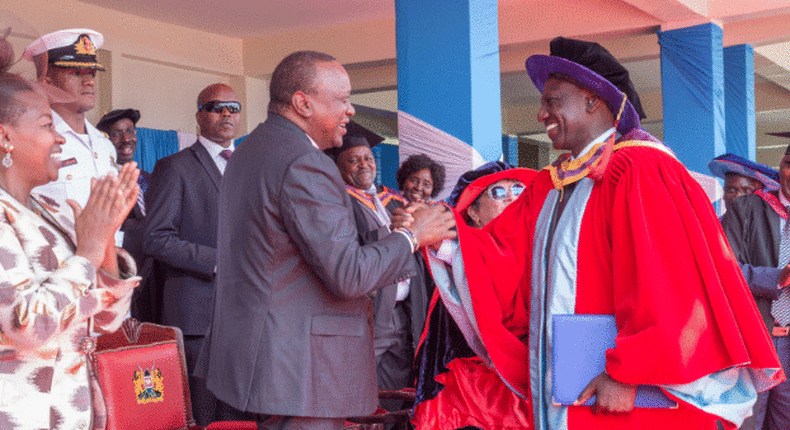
(111, 199)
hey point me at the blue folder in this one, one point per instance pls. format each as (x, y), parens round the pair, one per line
(579, 354)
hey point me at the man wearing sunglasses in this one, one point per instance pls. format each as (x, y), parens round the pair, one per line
(181, 231)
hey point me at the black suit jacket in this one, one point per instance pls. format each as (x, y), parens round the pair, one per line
(181, 235)
(752, 228)
(133, 229)
(145, 304)
(384, 300)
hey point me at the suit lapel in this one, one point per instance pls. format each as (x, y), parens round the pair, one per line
(775, 232)
(204, 158)
(136, 212)
(775, 229)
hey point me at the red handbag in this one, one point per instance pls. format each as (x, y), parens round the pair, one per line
(139, 379)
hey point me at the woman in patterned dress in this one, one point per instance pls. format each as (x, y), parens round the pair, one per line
(58, 267)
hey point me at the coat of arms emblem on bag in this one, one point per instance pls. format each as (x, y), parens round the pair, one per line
(148, 385)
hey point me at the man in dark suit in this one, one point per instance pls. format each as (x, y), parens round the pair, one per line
(291, 337)
(119, 125)
(181, 228)
(399, 310)
(757, 228)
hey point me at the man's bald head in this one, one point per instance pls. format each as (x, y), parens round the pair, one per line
(219, 112)
(210, 92)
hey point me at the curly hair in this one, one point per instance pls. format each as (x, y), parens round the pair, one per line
(414, 164)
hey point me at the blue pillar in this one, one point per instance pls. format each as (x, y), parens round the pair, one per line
(448, 68)
(739, 100)
(510, 150)
(692, 79)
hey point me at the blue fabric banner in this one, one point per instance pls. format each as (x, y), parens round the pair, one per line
(153, 144)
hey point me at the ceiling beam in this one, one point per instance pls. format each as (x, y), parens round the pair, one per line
(673, 10)
(762, 30)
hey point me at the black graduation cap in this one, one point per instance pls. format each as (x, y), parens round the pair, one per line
(472, 175)
(113, 116)
(598, 59)
(356, 135)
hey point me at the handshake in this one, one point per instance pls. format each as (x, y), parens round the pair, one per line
(429, 225)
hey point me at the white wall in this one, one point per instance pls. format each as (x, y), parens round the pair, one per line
(155, 67)
(165, 95)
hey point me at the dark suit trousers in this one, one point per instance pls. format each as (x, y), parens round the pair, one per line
(395, 356)
(772, 410)
(206, 408)
(204, 404)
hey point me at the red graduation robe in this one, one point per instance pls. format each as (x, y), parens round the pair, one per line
(651, 252)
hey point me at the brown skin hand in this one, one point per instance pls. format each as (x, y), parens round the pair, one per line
(610, 396)
(430, 225)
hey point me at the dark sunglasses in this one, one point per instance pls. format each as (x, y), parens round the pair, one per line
(216, 106)
(499, 192)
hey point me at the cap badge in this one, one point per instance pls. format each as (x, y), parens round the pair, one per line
(84, 45)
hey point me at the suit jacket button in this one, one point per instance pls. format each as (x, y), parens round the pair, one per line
(68, 177)
(96, 155)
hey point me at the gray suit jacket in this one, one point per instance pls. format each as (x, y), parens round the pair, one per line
(291, 331)
(752, 228)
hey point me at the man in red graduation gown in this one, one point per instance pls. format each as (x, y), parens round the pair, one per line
(615, 227)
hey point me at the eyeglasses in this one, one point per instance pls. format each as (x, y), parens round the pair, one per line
(118, 134)
(216, 106)
(499, 192)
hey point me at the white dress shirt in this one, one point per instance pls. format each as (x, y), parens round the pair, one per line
(84, 156)
(214, 149)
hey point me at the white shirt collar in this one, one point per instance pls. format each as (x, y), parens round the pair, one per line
(599, 139)
(214, 148)
(62, 127)
(312, 141)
